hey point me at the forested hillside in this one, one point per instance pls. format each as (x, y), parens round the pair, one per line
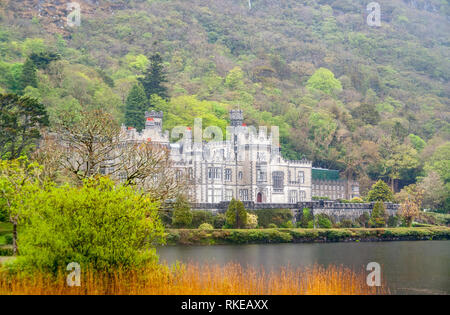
(373, 102)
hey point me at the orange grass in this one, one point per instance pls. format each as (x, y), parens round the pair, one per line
(230, 279)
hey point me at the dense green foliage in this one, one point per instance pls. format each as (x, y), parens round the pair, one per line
(201, 216)
(378, 216)
(236, 216)
(21, 123)
(99, 225)
(324, 222)
(279, 217)
(306, 219)
(182, 214)
(380, 192)
(136, 105)
(154, 78)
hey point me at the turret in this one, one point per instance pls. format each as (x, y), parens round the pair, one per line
(236, 117)
(153, 120)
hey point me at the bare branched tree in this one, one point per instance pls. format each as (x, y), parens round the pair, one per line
(95, 144)
(148, 166)
(89, 142)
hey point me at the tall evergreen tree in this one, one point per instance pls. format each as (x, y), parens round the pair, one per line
(182, 214)
(380, 192)
(154, 78)
(28, 77)
(236, 216)
(21, 122)
(135, 108)
(378, 216)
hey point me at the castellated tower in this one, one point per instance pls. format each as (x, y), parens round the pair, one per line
(236, 117)
(154, 120)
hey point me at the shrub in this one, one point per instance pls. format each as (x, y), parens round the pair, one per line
(363, 219)
(324, 222)
(182, 214)
(357, 200)
(252, 221)
(378, 217)
(306, 219)
(380, 192)
(219, 221)
(275, 216)
(392, 221)
(206, 227)
(201, 216)
(272, 226)
(346, 223)
(99, 224)
(287, 225)
(236, 216)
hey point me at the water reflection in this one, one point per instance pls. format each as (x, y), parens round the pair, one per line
(421, 267)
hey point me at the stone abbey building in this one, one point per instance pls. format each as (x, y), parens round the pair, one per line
(246, 164)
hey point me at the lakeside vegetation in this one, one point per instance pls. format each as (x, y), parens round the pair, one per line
(195, 279)
(274, 236)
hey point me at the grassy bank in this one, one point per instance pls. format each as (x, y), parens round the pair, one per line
(263, 236)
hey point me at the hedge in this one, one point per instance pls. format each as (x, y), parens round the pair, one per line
(265, 236)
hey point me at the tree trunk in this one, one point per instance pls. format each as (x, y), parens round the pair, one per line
(14, 239)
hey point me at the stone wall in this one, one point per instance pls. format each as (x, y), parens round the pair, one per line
(338, 211)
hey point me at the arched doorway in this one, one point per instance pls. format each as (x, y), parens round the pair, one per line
(259, 197)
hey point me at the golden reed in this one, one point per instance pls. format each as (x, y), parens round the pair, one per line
(187, 279)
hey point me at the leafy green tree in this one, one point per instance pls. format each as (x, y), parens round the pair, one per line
(236, 214)
(401, 159)
(21, 122)
(43, 59)
(29, 75)
(18, 179)
(367, 113)
(440, 162)
(136, 105)
(417, 142)
(378, 216)
(155, 78)
(324, 80)
(182, 214)
(434, 190)
(380, 192)
(234, 79)
(99, 225)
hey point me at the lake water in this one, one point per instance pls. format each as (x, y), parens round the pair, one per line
(419, 267)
